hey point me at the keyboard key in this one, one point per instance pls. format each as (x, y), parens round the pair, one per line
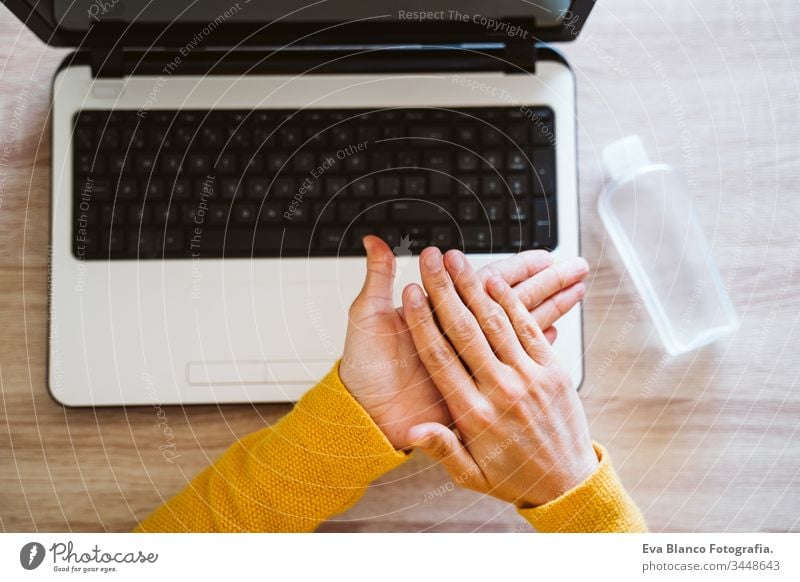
(519, 184)
(516, 161)
(304, 162)
(415, 186)
(466, 135)
(143, 243)
(245, 213)
(437, 160)
(256, 188)
(110, 216)
(217, 214)
(477, 238)
(468, 186)
(542, 131)
(197, 164)
(495, 210)
(273, 213)
(417, 211)
(181, 189)
(363, 187)
(389, 186)
(113, 243)
(407, 159)
(467, 162)
(391, 236)
(467, 211)
(331, 239)
(442, 237)
(544, 219)
(519, 237)
(493, 160)
(284, 188)
(544, 175)
(349, 211)
(174, 241)
(492, 186)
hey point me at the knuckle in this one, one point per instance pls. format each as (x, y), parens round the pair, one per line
(461, 329)
(382, 264)
(470, 284)
(439, 448)
(481, 417)
(493, 322)
(438, 355)
(528, 331)
(507, 389)
(560, 377)
(441, 282)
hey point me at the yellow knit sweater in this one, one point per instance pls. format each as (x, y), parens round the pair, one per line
(318, 460)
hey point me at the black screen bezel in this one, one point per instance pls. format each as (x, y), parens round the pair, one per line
(240, 34)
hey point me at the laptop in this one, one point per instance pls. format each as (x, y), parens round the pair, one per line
(214, 168)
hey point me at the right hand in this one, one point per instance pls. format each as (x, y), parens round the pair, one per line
(380, 366)
(522, 433)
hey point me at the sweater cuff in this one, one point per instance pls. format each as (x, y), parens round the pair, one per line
(329, 421)
(599, 504)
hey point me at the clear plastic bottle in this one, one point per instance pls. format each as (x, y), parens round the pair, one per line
(648, 213)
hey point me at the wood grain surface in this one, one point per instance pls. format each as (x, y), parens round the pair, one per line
(705, 442)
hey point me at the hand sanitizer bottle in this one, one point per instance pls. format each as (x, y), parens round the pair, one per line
(649, 215)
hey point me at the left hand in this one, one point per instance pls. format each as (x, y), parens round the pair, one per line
(380, 366)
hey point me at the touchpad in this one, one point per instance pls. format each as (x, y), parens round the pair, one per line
(257, 333)
(249, 372)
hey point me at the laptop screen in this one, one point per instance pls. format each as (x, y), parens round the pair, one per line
(78, 15)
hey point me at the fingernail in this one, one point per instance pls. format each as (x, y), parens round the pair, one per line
(583, 266)
(580, 291)
(433, 259)
(415, 296)
(456, 260)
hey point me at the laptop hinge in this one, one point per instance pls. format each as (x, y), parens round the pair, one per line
(520, 55)
(106, 63)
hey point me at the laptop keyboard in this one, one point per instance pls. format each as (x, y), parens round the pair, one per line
(280, 183)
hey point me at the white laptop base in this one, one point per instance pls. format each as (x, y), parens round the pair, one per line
(240, 330)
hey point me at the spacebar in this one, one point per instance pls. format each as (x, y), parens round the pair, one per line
(247, 241)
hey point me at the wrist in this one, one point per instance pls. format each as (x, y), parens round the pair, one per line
(563, 480)
(369, 403)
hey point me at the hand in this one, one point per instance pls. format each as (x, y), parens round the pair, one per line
(380, 366)
(523, 432)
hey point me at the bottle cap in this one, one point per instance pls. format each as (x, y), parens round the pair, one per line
(623, 157)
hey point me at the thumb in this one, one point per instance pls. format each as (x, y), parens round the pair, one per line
(380, 269)
(441, 444)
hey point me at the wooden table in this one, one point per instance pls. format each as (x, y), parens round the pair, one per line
(705, 442)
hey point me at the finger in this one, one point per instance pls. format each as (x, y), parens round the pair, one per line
(377, 289)
(556, 306)
(437, 355)
(441, 444)
(550, 281)
(528, 331)
(458, 323)
(551, 334)
(519, 267)
(490, 316)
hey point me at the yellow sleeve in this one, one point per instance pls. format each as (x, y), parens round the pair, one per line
(599, 504)
(316, 462)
